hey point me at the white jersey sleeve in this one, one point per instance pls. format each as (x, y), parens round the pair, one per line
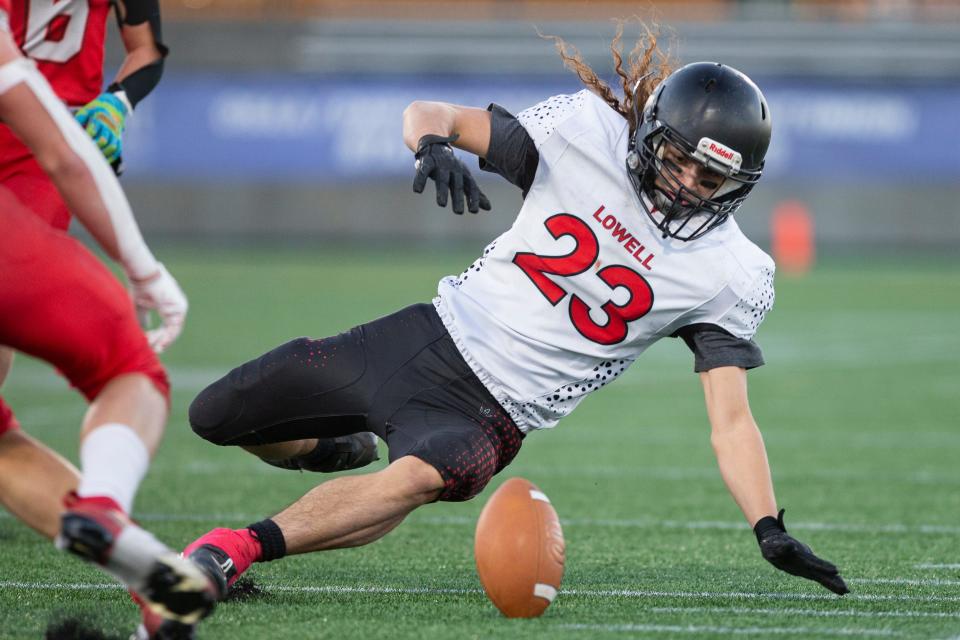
(743, 318)
(748, 293)
(542, 119)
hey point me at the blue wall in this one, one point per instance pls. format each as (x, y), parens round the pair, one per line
(270, 128)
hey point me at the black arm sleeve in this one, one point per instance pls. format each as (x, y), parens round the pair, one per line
(139, 83)
(134, 12)
(512, 152)
(713, 347)
(142, 81)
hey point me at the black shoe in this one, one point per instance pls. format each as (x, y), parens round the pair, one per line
(218, 568)
(171, 586)
(335, 454)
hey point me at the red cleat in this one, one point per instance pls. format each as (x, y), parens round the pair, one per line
(225, 552)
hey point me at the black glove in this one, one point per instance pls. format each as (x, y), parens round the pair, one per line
(789, 554)
(435, 160)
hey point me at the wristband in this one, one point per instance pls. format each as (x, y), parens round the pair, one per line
(768, 525)
(432, 138)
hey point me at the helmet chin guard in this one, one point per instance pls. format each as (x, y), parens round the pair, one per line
(717, 117)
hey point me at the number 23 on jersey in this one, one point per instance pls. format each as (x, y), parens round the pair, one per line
(585, 252)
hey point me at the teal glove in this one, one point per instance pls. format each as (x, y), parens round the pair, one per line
(104, 119)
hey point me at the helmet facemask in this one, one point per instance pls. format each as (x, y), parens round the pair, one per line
(676, 210)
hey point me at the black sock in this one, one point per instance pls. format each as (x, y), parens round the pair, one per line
(272, 544)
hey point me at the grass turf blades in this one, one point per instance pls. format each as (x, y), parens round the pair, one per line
(858, 406)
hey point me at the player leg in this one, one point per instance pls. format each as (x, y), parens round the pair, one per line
(323, 455)
(446, 434)
(299, 406)
(435, 456)
(59, 303)
(33, 478)
(437, 453)
(404, 378)
(347, 511)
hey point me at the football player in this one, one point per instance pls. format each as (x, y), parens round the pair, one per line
(58, 302)
(66, 41)
(625, 237)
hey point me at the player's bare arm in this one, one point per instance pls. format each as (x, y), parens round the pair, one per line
(470, 124)
(430, 130)
(737, 442)
(743, 464)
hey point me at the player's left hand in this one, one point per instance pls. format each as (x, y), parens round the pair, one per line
(789, 554)
(161, 293)
(435, 159)
(104, 119)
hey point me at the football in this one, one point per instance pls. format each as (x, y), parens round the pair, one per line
(519, 549)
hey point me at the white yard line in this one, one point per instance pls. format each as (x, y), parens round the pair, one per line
(741, 595)
(718, 525)
(739, 631)
(808, 612)
(61, 586)
(712, 472)
(935, 566)
(931, 582)
(592, 593)
(626, 523)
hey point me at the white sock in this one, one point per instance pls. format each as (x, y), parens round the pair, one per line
(113, 461)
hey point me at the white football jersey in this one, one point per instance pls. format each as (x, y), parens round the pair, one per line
(582, 283)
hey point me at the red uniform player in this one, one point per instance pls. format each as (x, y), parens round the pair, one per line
(59, 303)
(66, 40)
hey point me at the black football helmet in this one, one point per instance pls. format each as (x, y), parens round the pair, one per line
(714, 115)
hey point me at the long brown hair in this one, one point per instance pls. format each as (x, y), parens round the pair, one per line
(646, 63)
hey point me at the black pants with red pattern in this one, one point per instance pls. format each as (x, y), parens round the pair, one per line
(400, 377)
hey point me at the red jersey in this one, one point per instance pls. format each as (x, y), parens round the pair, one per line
(66, 39)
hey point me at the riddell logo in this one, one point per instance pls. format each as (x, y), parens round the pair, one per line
(720, 151)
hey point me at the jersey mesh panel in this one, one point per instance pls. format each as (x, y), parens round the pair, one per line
(540, 120)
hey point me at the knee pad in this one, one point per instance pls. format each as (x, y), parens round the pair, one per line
(213, 411)
(253, 396)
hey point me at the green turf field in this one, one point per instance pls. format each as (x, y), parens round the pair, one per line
(859, 405)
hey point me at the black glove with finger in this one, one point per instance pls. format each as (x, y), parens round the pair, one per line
(435, 159)
(789, 554)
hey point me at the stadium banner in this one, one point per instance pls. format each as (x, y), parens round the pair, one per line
(322, 129)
